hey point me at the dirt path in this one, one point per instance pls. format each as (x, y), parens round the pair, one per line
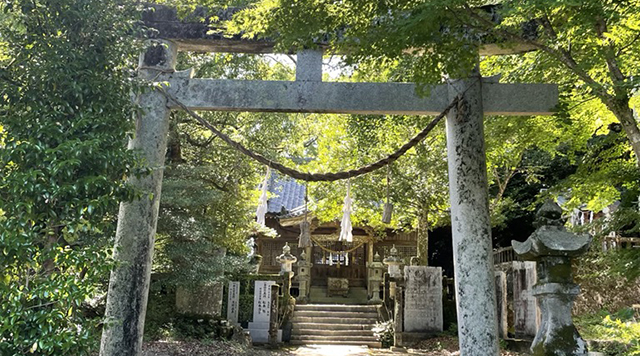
(221, 348)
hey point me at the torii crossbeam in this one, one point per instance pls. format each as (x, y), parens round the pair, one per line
(473, 258)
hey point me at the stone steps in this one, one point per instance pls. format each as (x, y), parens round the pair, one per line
(323, 326)
(336, 314)
(336, 307)
(336, 342)
(334, 324)
(334, 333)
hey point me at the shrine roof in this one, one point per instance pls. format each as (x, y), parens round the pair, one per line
(286, 195)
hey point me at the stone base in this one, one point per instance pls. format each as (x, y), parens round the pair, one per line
(261, 336)
(519, 345)
(410, 338)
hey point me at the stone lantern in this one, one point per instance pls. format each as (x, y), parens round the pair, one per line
(393, 262)
(553, 247)
(286, 261)
(304, 277)
(376, 271)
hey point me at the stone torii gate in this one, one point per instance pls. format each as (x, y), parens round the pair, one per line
(473, 258)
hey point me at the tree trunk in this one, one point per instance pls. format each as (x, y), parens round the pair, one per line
(625, 115)
(423, 238)
(619, 106)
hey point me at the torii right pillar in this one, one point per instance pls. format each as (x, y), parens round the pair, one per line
(470, 221)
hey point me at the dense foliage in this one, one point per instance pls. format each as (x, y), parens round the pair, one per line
(209, 190)
(589, 45)
(65, 84)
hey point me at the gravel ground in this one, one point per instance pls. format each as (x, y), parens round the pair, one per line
(441, 346)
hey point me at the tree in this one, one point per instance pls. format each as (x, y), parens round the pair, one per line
(65, 114)
(590, 46)
(209, 189)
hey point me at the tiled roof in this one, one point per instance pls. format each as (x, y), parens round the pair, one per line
(286, 193)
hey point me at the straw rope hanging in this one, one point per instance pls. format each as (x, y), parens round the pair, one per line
(304, 239)
(387, 211)
(320, 177)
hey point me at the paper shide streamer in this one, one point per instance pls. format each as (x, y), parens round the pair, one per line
(261, 212)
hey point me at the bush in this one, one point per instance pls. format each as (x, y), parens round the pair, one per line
(614, 334)
(385, 332)
(66, 111)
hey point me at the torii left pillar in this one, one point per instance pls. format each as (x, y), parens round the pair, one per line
(137, 220)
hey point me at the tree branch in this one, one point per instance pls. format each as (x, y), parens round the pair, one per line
(561, 55)
(196, 143)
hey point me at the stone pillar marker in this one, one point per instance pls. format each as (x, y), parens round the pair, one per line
(262, 307)
(233, 300)
(501, 299)
(135, 234)
(470, 223)
(553, 247)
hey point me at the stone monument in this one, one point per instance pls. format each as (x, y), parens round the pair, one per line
(423, 299)
(553, 247)
(233, 299)
(526, 314)
(200, 300)
(262, 297)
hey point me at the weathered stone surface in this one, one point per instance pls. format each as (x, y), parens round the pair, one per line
(233, 299)
(353, 98)
(501, 307)
(470, 223)
(200, 300)
(423, 299)
(552, 247)
(309, 65)
(137, 220)
(526, 314)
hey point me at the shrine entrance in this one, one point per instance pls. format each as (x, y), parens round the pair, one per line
(347, 265)
(464, 102)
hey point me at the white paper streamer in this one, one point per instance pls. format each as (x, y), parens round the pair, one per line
(330, 259)
(262, 203)
(345, 224)
(346, 258)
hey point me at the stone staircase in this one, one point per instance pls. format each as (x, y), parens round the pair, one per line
(334, 324)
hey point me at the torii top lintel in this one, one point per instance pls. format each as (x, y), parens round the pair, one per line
(308, 93)
(191, 33)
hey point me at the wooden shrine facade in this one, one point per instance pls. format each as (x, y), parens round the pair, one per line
(330, 258)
